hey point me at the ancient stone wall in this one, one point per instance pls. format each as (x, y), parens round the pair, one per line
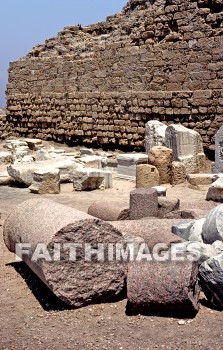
(156, 59)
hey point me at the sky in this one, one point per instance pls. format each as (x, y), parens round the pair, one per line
(26, 23)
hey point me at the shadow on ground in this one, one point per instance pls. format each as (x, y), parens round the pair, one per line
(42, 293)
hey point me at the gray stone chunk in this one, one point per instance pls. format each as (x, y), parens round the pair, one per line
(182, 229)
(213, 226)
(211, 280)
(127, 163)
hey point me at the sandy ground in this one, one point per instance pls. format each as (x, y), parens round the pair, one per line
(32, 318)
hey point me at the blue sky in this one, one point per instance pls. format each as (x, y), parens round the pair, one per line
(26, 23)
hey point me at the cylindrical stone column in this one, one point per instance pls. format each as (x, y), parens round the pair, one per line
(74, 280)
(109, 211)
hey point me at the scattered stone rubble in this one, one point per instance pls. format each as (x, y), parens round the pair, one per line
(205, 237)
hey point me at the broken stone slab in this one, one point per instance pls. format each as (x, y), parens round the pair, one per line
(182, 229)
(86, 151)
(178, 173)
(127, 163)
(161, 190)
(213, 226)
(161, 157)
(6, 158)
(199, 251)
(163, 288)
(199, 181)
(143, 203)
(215, 191)
(211, 280)
(14, 143)
(147, 176)
(154, 134)
(190, 231)
(167, 205)
(109, 211)
(91, 161)
(90, 277)
(91, 179)
(187, 147)
(46, 181)
(109, 165)
(34, 144)
(23, 173)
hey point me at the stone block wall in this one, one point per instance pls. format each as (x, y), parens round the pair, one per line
(157, 59)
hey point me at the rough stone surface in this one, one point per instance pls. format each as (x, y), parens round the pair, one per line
(127, 163)
(147, 176)
(218, 165)
(198, 181)
(166, 205)
(215, 191)
(77, 283)
(213, 226)
(178, 173)
(163, 288)
(109, 211)
(143, 203)
(23, 173)
(187, 147)
(211, 280)
(153, 231)
(182, 229)
(46, 181)
(161, 157)
(154, 134)
(91, 179)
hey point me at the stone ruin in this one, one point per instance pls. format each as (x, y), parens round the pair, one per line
(101, 83)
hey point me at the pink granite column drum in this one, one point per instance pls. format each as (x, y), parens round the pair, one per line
(152, 230)
(163, 288)
(143, 203)
(74, 280)
(109, 211)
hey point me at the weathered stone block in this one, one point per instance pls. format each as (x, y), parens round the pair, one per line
(143, 203)
(147, 176)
